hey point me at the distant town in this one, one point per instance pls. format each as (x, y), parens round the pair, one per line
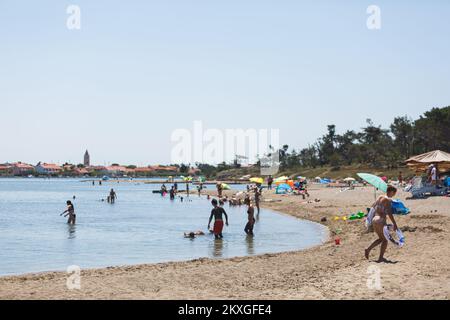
(88, 170)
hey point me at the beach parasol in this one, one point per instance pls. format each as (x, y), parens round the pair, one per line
(201, 179)
(281, 179)
(257, 180)
(187, 178)
(349, 179)
(225, 186)
(374, 180)
(301, 178)
(421, 162)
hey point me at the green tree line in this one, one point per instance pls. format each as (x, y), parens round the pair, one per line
(373, 145)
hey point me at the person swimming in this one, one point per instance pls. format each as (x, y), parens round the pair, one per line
(193, 234)
(217, 212)
(70, 211)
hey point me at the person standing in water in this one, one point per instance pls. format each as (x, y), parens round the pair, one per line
(269, 182)
(251, 220)
(163, 190)
(70, 211)
(112, 196)
(219, 189)
(172, 193)
(217, 212)
(257, 198)
(187, 188)
(383, 209)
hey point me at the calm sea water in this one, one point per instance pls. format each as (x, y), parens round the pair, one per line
(141, 227)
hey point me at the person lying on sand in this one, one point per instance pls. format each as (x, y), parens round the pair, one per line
(383, 208)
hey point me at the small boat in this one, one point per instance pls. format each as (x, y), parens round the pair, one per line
(105, 178)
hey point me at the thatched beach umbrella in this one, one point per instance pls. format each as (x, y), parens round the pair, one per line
(421, 162)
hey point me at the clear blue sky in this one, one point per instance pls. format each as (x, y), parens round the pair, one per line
(137, 70)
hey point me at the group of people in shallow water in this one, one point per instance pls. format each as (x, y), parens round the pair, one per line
(382, 209)
(70, 210)
(218, 214)
(218, 211)
(174, 190)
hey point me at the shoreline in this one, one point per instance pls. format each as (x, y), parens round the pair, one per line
(325, 235)
(325, 271)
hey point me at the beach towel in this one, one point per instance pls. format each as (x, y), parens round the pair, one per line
(218, 227)
(398, 240)
(370, 216)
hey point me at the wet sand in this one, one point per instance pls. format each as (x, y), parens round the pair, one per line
(419, 270)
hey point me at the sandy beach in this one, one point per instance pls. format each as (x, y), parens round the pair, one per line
(419, 270)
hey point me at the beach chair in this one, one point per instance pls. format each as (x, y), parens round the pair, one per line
(420, 189)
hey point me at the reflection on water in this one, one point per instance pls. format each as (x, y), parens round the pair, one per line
(71, 228)
(218, 248)
(250, 245)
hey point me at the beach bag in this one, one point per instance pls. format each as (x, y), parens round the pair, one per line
(399, 208)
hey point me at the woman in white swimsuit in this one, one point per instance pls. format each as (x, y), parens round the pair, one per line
(382, 209)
